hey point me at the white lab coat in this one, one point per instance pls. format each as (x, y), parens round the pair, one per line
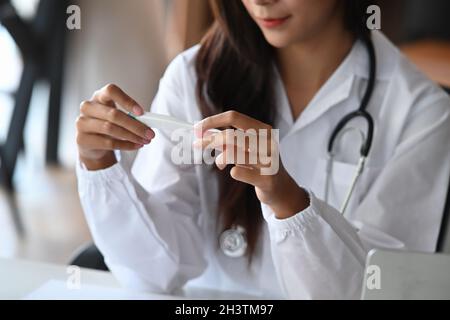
(157, 224)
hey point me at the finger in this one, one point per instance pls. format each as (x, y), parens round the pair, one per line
(107, 102)
(117, 117)
(112, 93)
(240, 149)
(246, 175)
(243, 159)
(96, 126)
(246, 141)
(229, 119)
(236, 156)
(102, 142)
(216, 140)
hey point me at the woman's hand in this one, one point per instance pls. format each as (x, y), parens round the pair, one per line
(102, 128)
(277, 189)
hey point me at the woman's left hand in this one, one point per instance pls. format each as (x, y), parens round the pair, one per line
(253, 159)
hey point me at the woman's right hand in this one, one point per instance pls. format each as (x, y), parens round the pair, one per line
(102, 128)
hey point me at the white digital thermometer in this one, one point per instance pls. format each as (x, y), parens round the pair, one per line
(164, 122)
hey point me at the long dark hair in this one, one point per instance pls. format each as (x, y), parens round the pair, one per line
(234, 71)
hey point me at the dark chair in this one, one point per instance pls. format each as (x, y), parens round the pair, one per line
(443, 244)
(89, 257)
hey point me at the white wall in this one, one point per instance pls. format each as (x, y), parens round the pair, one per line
(120, 42)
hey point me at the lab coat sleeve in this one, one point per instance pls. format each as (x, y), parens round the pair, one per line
(318, 254)
(146, 221)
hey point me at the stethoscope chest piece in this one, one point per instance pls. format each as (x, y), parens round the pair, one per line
(233, 242)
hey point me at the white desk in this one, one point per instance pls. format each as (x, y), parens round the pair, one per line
(19, 278)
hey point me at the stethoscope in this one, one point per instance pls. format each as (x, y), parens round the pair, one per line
(233, 242)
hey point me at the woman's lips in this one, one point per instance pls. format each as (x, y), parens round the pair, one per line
(272, 23)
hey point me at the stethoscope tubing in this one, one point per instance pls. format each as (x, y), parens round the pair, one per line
(361, 112)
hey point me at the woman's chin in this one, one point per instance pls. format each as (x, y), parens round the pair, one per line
(278, 43)
(278, 40)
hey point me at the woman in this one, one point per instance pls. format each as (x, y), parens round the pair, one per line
(297, 66)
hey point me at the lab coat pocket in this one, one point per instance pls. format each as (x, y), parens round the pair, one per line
(372, 237)
(340, 178)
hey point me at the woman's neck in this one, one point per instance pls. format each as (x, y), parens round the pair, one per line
(307, 65)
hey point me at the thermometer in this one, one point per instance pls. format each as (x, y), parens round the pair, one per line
(164, 122)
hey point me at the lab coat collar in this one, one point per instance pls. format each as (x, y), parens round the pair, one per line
(335, 90)
(386, 53)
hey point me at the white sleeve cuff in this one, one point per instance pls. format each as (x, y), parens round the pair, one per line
(115, 172)
(280, 228)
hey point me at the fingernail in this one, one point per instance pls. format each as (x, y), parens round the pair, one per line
(137, 110)
(197, 144)
(149, 134)
(198, 131)
(220, 163)
(146, 141)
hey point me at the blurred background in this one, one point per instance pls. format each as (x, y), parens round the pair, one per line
(46, 70)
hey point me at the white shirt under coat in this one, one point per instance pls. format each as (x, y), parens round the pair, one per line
(156, 224)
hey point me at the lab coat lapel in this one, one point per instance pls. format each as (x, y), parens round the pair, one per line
(335, 90)
(331, 94)
(283, 109)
